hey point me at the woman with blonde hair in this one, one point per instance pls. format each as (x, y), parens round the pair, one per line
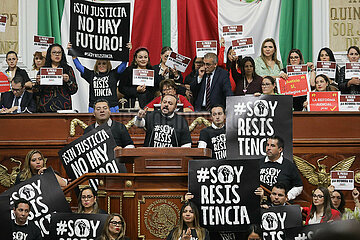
(189, 226)
(114, 228)
(35, 164)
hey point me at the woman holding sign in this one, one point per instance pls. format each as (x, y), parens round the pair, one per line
(189, 226)
(114, 228)
(144, 94)
(351, 85)
(326, 55)
(268, 64)
(103, 80)
(56, 97)
(321, 209)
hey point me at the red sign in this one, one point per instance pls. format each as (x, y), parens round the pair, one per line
(4, 83)
(324, 101)
(296, 85)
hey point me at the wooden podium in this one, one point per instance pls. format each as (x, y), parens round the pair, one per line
(160, 160)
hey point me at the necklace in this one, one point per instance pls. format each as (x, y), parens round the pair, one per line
(246, 84)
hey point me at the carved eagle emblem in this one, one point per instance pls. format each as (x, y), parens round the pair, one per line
(8, 179)
(321, 177)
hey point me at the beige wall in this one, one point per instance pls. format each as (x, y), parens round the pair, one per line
(344, 18)
(9, 40)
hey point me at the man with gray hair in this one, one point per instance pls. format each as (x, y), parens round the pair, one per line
(212, 86)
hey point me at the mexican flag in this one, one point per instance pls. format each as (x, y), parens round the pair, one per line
(180, 23)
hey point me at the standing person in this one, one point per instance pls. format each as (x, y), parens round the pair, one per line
(87, 201)
(189, 226)
(321, 210)
(35, 164)
(164, 128)
(144, 94)
(103, 80)
(247, 82)
(114, 228)
(213, 86)
(350, 86)
(275, 168)
(54, 98)
(214, 136)
(22, 227)
(13, 70)
(38, 62)
(326, 55)
(268, 64)
(191, 79)
(164, 71)
(17, 100)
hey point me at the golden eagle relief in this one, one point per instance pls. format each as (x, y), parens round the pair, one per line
(321, 177)
(6, 179)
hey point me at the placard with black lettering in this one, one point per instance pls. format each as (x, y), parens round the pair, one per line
(251, 120)
(306, 232)
(3, 19)
(326, 68)
(100, 30)
(177, 61)
(75, 226)
(224, 193)
(143, 77)
(45, 197)
(276, 219)
(292, 70)
(349, 102)
(51, 76)
(204, 47)
(5, 219)
(243, 46)
(352, 69)
(92, 152)
(342, 180)
(41, 43)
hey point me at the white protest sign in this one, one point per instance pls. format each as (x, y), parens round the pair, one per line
(177, 61)
(342, 180)
(204, 47)
(243, 46)
(143, 77)
(51, 76)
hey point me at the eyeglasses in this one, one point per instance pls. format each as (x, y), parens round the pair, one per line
(37, 58)
(16, 90)
(84, 197)
(56, 53)
(318, 196)
(116, 223)
(265, 84)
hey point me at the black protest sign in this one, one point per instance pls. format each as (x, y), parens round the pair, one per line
(100, 30)
(251, 120)
(45, 197)
(224, 192)
(92, 152)
(275, 219)
(305, 232)
(74, 226)
(5, 219)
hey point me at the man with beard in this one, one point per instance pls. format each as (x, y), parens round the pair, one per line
(164, 128)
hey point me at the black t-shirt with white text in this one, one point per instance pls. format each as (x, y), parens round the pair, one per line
(26, 232)
(215, 140)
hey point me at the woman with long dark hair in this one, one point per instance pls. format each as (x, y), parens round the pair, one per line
(326, 55)
(189, 226)
(350, 86)
(54, 98)
(247, 82)
(321, 209)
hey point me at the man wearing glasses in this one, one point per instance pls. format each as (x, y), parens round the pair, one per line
(17, 100)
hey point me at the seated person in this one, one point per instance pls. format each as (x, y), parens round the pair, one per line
(87, 201)
(114, 228)
(35, 164)
(17, 100)
(278, 196)
(168, 86)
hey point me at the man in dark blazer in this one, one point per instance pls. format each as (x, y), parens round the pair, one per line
(17, 100)
(212, 85)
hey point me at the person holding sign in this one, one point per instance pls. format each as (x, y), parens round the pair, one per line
(326, 55)
(22, 227)
(214, 137)
(247, 82)
(13, 70)
(213, 86)
(268, 64)
(320, 210)
(87, 201)
(350, 86)
(103, 80)
(114, 228)
(338, 201)
(275, 168)
(144, 94)
(17, 100)
(192, 78)
(189, 227)
(168, 86)
(35, 164)
(278, 196)
(54, 98)
(38, 62)
(164, 128)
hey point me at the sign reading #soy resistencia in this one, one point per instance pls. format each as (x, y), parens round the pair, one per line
(251, 120)
(224, 193)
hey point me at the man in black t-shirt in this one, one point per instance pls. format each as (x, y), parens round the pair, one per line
(22, 227)
(214, 136)
(275, 168)
(164, 128)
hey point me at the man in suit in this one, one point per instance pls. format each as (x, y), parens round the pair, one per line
(212, 85)
(17, 100)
